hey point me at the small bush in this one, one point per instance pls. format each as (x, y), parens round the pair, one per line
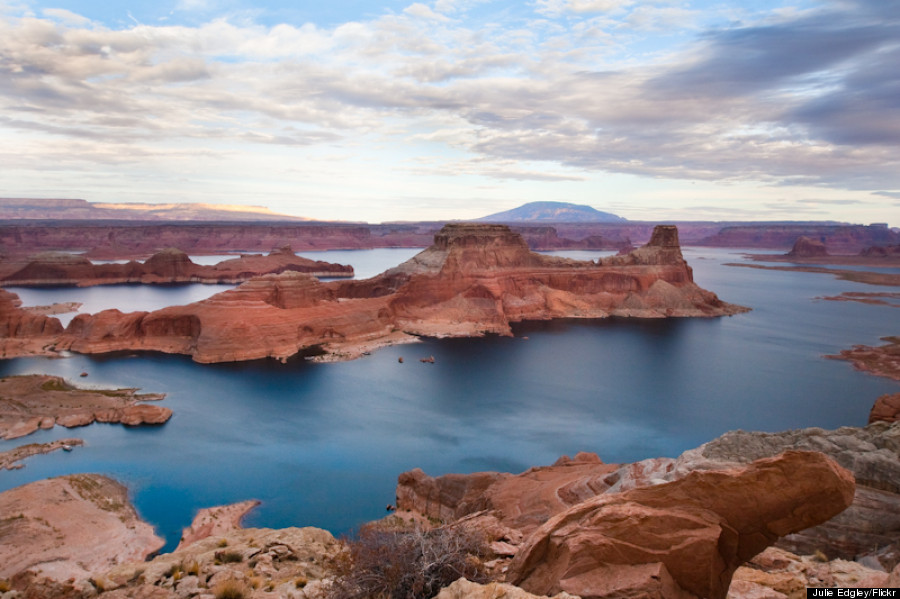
(193, 568)
(404, 564)
(5, 586)
(230, 589)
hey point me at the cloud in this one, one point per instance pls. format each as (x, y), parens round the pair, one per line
(424, 12)
(555, 8)
(801, 98)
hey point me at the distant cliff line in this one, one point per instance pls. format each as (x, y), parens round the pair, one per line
(128, 239)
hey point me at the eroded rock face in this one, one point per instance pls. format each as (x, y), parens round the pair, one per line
(475, 279)
(72, 526)
(23, 332)
(684, 538)
(869, 527)
(515, 504)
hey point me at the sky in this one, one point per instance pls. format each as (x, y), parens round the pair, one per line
(455, 109)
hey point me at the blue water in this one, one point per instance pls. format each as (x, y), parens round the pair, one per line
(322, 444)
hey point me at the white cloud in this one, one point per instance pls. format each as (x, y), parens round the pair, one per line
(555, 8)
(508, 101)
(424, 12)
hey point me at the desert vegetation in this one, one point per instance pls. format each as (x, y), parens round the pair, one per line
(408, 564)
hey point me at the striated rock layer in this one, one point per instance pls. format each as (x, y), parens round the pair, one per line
(509, 508)
(474, 279)
(685, 538)
(167, 266)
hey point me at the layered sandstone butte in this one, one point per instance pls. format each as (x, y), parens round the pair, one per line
(71, 527)
(167, 266)
(474, 279)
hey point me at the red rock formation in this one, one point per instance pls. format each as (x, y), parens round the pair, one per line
(475, 279)
(167, 266)
(23, 332)
(519, 503)
(805, 247)
(680, 539)
(886, 409)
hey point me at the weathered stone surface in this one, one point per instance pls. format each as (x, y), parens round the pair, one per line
(72, 526)
(291, 562)
(699, 529)
(777, 574)
(464, 589)
(474, 279)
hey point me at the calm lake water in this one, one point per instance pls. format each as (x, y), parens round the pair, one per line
(322, 444)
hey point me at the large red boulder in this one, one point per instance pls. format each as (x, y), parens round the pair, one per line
(684, 538)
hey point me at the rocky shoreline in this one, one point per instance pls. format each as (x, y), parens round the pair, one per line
(701, 525)
(32, 402)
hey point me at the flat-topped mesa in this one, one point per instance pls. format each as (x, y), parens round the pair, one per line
(469, 247)
(475, 279)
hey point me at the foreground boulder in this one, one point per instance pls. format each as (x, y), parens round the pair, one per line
(684, 538)
(71, 527)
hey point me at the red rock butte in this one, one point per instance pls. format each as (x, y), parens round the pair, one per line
(474, 279)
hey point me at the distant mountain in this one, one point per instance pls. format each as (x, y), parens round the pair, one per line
(71, 209)
(550, 212)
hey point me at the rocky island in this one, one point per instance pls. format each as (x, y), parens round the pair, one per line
(164, 267)
(32, 402)
(475, 279)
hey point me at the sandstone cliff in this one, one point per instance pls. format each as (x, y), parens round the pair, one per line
(23, 332)
(167, 266)
(474, 279)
